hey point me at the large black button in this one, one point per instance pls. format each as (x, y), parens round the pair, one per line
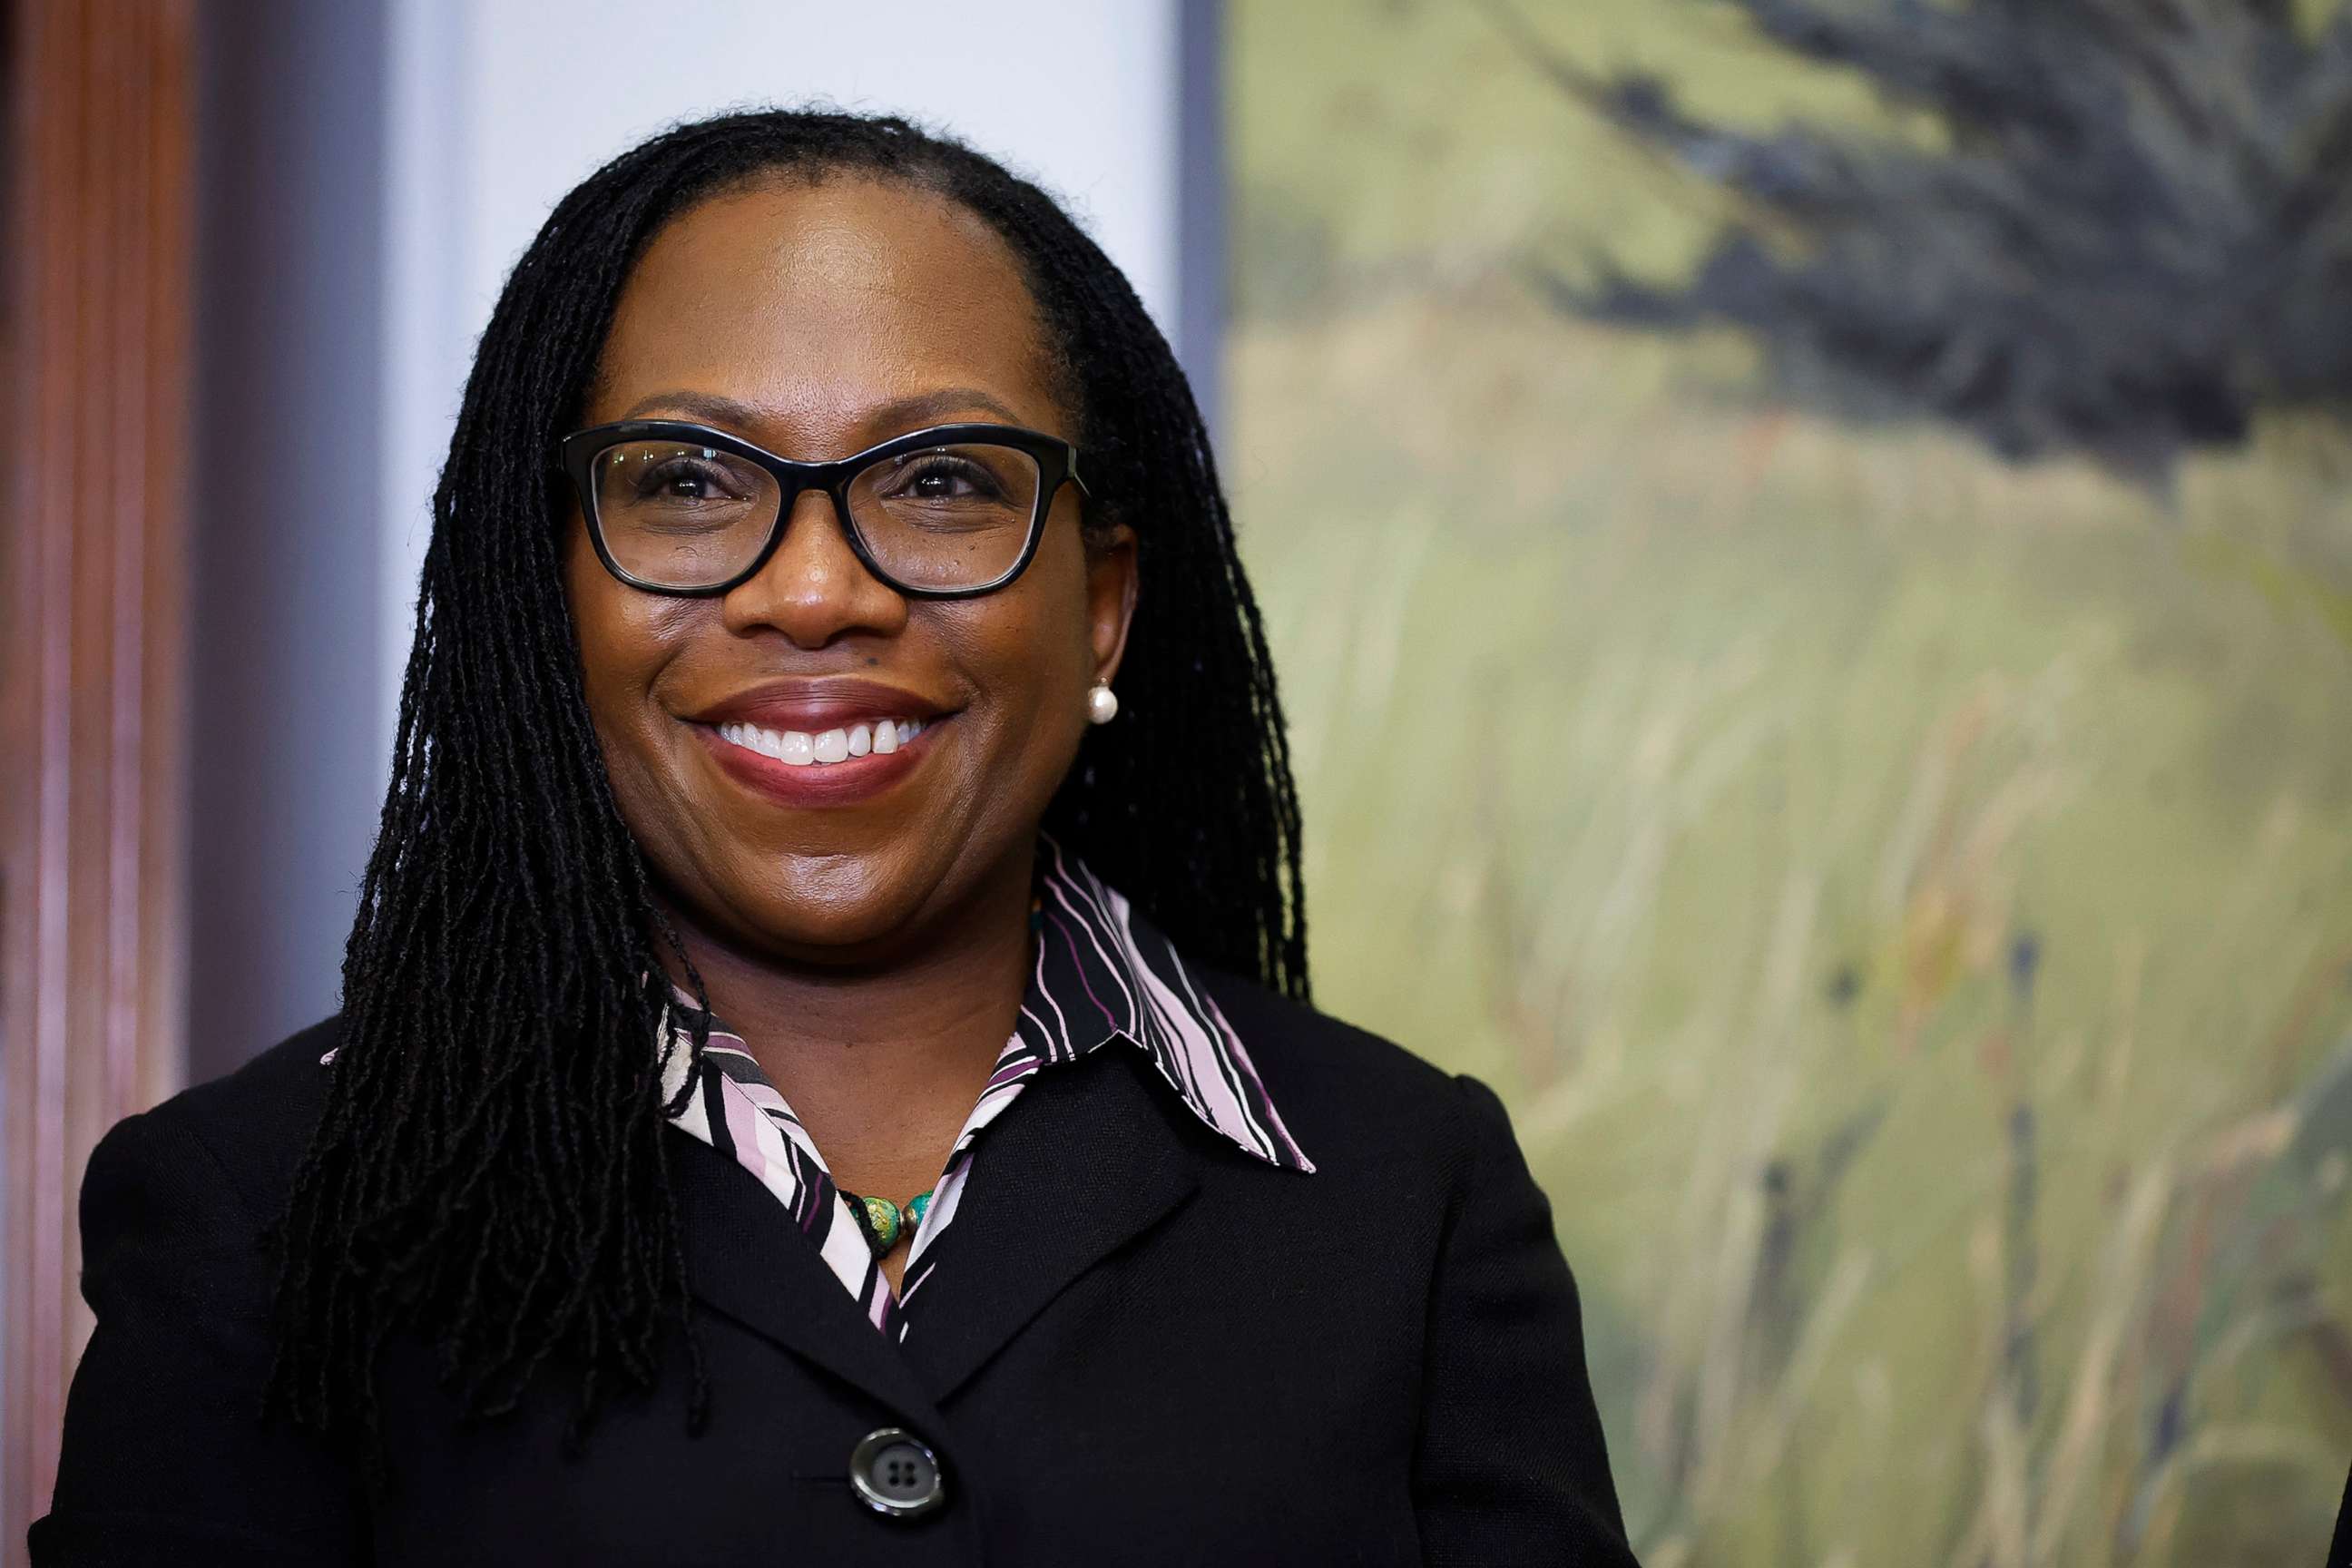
(893, 1473)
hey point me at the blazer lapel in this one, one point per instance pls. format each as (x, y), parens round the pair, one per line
(745, 1259)
(1087, 1160)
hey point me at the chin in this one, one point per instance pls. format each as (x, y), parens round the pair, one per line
(839, 903)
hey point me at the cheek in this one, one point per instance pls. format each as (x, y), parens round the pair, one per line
(623, 641)
(1034, 651)
(599, 622)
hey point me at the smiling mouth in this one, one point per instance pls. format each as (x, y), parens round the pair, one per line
(824, 748)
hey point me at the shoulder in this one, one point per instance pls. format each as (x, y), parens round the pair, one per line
(238, 1137)
(1315, 1051)
(155, 1464)
(1341, 1088)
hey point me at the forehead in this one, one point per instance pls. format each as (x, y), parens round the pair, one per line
(817, 305)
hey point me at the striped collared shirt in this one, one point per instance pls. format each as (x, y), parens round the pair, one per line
(1101, 975)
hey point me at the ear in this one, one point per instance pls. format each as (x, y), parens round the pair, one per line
(1111, 581)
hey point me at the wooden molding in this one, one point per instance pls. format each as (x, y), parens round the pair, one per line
(100, 263)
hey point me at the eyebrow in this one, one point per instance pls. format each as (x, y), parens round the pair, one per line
(922, 408)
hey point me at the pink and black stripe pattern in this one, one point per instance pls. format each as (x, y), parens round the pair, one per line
(737, 1111)
(1102, 973)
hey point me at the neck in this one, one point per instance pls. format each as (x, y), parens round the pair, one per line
(882, 1062)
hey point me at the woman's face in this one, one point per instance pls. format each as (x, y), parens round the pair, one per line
(816, 320)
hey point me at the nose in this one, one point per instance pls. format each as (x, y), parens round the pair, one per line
(814, 588)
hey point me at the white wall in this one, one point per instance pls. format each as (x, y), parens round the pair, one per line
(497, 106)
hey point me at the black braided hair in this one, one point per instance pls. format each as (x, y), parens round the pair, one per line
(489, 1169)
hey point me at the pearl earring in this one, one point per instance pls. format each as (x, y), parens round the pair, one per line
(1102, 704)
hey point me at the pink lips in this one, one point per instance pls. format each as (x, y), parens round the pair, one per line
(813, 706)
(816, 705)
(818, 784)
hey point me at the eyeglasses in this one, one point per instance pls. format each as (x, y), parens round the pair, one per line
(944, 513)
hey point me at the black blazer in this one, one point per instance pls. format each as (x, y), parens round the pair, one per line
(1141, 1347)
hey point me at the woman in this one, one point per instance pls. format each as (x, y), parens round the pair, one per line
(759, 1127)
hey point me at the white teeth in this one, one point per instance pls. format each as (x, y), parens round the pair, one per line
(797, 748)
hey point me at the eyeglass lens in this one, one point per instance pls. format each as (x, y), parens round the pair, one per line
(681, 516)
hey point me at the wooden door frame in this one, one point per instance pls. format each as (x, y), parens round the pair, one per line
(99, 278)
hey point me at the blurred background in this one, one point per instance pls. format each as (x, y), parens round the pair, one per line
(1808, 547)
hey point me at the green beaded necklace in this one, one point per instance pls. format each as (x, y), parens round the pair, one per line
(887, 1224)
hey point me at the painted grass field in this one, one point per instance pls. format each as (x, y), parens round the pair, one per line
(1905, 899)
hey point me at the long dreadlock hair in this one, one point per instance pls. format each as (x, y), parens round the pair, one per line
(488, 1171)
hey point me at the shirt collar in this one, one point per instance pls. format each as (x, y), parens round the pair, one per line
(1103, 972)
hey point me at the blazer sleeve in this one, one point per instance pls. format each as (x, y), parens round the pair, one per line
(1511, 1466)
(165, 1458)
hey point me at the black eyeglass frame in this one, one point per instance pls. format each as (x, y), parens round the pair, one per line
(1057, 460)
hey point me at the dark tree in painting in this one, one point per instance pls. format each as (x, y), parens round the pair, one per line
(2110, 226)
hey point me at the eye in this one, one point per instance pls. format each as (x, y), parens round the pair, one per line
(688, 477)
(667, 475)
(942, 477)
